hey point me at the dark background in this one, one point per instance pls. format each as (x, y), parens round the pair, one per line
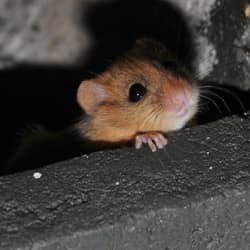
(44, 95)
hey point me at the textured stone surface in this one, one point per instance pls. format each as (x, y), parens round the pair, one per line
(229, 32)
(41, 31)
(192, 195)
(50, 33)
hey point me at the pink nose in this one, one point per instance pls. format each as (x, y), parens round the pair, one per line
(179, 100)
(176, 101)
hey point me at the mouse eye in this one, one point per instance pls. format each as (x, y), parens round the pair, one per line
(136, 92)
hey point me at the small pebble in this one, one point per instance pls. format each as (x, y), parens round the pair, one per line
(37, 175)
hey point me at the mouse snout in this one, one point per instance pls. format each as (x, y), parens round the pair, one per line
(180, 100)
(176, 100)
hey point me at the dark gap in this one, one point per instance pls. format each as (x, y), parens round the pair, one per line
(115, 25)
(36, 98)
(225, 100)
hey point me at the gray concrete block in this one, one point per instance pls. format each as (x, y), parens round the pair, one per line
(192, 195)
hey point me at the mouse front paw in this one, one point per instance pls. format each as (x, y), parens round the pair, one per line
(155, 140)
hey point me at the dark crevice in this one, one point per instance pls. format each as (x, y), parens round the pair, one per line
(224, 100)
(36, 98)
(115, 25)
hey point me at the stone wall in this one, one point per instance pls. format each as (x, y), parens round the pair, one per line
(49, 32)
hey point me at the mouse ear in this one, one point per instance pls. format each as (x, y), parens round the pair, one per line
(89, 95)
(153, 49)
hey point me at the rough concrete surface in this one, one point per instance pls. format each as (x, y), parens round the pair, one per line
(192, 195)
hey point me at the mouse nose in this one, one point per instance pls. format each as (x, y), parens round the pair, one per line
(176, 101)
(180, 100)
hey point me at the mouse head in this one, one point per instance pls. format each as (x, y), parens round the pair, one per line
(138, 93)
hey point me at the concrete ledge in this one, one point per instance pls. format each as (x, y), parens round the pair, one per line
(193, 195)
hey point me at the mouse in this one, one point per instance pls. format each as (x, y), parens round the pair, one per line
(139, 98)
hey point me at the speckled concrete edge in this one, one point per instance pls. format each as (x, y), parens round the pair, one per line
(193, 195)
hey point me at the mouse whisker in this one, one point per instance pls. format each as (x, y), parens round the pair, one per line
(225, 90)
(148, 117)
(212, 101)
(218, 97)
(156, 114)
(201, 108)
(153, 116)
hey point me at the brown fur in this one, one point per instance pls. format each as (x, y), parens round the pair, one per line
(113, 118)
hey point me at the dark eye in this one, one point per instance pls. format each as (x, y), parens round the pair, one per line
(136, 92)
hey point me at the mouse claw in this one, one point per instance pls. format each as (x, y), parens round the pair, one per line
(155, 140)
